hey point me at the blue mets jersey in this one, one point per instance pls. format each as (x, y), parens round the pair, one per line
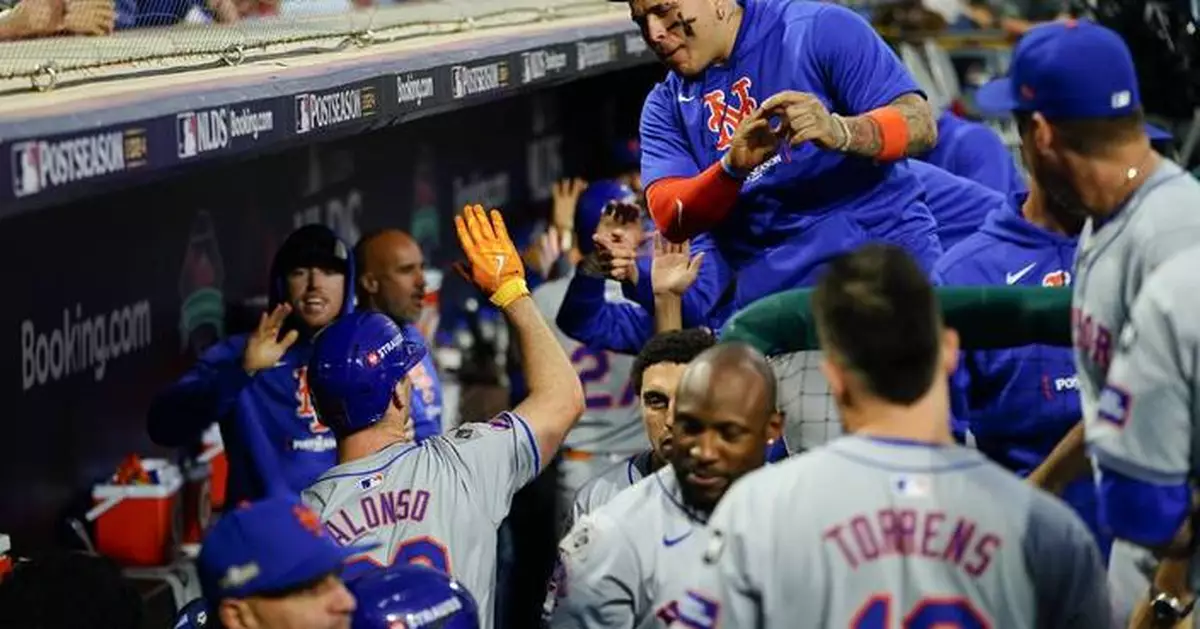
(805, 205)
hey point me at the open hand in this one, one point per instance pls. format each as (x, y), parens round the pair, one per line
(265, 348)
(672, 271)
(492, 259)
(565, 194)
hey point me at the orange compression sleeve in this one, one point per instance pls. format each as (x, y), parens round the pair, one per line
(685, 206)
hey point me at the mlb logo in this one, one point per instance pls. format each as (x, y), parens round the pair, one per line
(303, 113)
(1057, 279)
(26, 168)
(371, 481)
(1115, 405)
(186, 134)
(912, 485)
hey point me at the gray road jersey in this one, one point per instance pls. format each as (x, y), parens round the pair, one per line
(1159, 220)
(612, 420)
(438, 503)
(867, 533)
(1144, 426)
(617, 559)
(601, 489)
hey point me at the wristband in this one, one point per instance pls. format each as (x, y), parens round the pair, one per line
(893, 133)
(510, 291)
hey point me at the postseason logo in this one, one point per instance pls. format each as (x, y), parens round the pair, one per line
(205, 131)
(39, 165)
(595, 54)
(329, 109)
(414, 89)
(538, 64)
(472, 80)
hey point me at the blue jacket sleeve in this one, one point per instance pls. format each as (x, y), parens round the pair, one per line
(208, 391)
(589, 318)
(699, 300)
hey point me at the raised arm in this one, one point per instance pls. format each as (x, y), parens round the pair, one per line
(555, 399)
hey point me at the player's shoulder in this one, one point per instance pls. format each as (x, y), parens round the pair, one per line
(1167, 289)
(971, 259)
(600, 489)
(1169, 204)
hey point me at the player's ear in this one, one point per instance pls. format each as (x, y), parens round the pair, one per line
(368, 282)
(235, 614)
(950, 345)
(834, 375)
(775, 426)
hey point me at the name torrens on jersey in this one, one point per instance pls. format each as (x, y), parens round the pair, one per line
(322, 110)
(207, 130)
(39, 165)
(471, 80)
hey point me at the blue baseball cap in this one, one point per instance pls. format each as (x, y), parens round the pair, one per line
(1074, 69)
(264, 547)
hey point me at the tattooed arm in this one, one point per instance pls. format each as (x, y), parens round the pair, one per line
(866, 138)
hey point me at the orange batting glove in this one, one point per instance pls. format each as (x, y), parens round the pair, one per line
(495, 265)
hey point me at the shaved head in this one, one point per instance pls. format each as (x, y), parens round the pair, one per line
(732, 374)
(391, 276)
(724, 419)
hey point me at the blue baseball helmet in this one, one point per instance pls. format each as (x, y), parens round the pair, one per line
(410, 595)
(595, 199)
(355, 365)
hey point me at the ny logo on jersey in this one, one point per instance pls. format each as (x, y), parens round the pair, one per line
(723, 117)
(304, 404)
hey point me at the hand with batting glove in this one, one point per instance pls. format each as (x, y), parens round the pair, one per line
(494, 265)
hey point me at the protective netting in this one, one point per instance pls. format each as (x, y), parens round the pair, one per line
(782, 327)
(301, 27)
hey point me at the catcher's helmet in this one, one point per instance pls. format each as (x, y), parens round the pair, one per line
(597, 198)
(409, 595)
(355, 365)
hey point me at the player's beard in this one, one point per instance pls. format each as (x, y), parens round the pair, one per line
(1061, 199)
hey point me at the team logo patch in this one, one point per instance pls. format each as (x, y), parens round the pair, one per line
(577, 542)
(912, 485)
(1114, 405)
(726, 112)
(1057, 279)
(365, 484)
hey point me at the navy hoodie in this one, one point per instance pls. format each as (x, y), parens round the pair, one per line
(210, 392)
(1018, 403)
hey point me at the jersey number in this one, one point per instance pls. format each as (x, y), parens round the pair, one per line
(594, 369)
(944, 612)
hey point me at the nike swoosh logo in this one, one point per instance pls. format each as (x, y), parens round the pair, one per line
(1013, 278)
(686, 99)
(669, 541)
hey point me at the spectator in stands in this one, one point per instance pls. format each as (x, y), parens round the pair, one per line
(271, 565)
(1015, 17)
(139, 13)
(67, 590)
(392, 280)
(46, 18)
(263, 374)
